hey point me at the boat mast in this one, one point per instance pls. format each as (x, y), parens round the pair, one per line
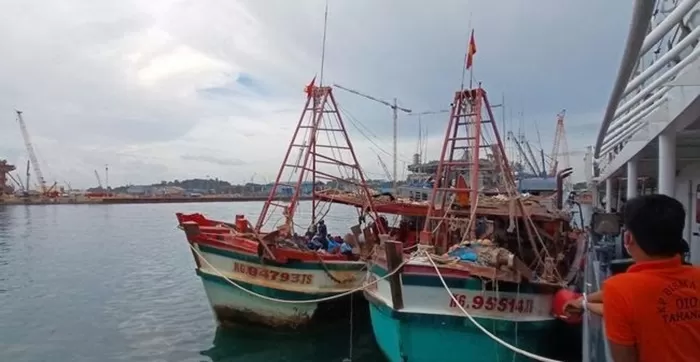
(320, 116)
(470, 120)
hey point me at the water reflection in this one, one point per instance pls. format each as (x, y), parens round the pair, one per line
(5, 227)
(27, 221)
(5, 249)
(322, 344)
(4, 221)
(119, 286)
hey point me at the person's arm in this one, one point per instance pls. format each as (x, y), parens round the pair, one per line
(595, 304)
(596, 297)
(618, 325)
(595, 308)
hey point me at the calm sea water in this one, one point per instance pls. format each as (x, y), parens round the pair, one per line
(117, 283)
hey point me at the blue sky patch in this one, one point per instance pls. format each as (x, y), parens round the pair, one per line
(243, 84)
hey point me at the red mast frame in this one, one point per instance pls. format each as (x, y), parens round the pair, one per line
(320, 101)
(467, 112)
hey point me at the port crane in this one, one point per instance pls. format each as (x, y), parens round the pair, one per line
(559, 140)
(46, 191)
(549, 164)
(23, 187)
(27, 176)
(32, 155)
(395, 108)
(386, 169)
(99, 180)
(522, 145)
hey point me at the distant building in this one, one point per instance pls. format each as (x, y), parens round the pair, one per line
(138, 190)
(167, 191)
(537, 185)
(307, 189)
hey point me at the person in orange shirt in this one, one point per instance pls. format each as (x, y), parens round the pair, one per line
(652, 312)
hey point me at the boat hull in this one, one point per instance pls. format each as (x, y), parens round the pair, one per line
(233, 306)
(265, 293)
(431, 328)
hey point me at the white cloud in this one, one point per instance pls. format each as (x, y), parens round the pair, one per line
(176, 89)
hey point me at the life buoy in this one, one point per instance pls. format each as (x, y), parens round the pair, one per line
(559, 300)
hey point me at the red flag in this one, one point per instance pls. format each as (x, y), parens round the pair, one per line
(310, 87)
(471, 50)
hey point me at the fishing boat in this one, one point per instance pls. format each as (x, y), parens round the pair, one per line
(287, 275)
(488, 262)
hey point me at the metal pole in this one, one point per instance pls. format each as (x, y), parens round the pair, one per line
(667, 163)
(503, 119)
(396, 126)
(632, 177)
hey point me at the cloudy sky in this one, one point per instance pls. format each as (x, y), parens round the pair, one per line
(165, 89)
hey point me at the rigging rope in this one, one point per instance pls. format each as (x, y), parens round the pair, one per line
(356, 123)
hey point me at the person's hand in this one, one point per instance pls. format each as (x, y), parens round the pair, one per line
(573, 307)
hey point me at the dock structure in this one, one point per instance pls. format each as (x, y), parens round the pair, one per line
(649, 139)
(5, 169)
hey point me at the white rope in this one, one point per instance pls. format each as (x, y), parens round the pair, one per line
(318, 300)
(480, 327)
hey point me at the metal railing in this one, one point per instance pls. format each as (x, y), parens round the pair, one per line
(662, 42)
(594, 344)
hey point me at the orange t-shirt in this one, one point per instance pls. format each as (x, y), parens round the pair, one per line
(655, 306)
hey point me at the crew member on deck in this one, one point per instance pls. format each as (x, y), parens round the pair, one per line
(322, 229)
(652, 312)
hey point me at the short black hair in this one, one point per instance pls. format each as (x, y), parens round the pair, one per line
(657, 223)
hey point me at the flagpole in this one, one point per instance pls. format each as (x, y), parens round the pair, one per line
(464, 69)
(471, 76)
(471, 69)
(466, 54)
(471, 37)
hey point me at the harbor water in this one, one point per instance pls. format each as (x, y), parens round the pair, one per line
(117, 283)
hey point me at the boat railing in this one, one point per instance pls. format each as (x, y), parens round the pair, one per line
(594, 344)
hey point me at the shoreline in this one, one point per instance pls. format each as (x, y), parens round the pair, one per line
(140, 200)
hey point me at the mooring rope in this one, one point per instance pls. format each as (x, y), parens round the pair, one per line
(479, 326)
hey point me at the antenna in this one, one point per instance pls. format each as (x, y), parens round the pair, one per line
(323, 46)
